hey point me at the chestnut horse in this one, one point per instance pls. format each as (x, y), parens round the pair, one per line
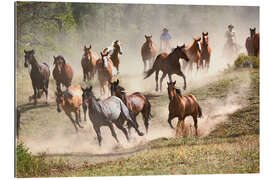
(194, 54)
(136, 103)
(70, 101)
(148, 52)
(39, 74)
(88, 63)
(114, 54)
(62, 72)
(105, 74)
(181, 107)
(168, 64)
(253, 43)
(206, 51)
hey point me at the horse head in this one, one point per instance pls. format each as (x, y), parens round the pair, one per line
(181, 52)
(116, 89)
(117, 47)
(59, 62)
(252, 32)
(197, 44)
(28, 56)
(205, 38)
(87, 92)
(171, 89)
(87, 52)
(148, 40)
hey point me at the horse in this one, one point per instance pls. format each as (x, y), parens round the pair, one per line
(253, 43)
(168, 64)
(148, 51)
(39, 74)
(108, 112)
(105, 74)
(62, 72)
(88, 63)
(194, 54)
(114, 54)
(135, 102)
(181, 107)
(70, 101)
(206, 51)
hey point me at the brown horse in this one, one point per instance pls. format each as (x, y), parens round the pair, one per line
(168, 64)
(194, 54)
(148, 51)
(206, 51)
(136, 103)
(70, 101)
(88, 64)
(114, 54)
(253, 43)
(105, 71)
(181, 107)
(62, 72)
(40, 74)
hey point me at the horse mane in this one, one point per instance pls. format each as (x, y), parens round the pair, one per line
(178, 91)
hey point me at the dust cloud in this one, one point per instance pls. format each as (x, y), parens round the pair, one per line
(190, 22)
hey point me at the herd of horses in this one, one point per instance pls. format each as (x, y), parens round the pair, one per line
(119, 108)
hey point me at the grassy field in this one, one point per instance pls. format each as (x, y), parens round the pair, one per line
(232, 147)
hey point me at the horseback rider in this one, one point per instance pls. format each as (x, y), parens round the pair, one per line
(165, 40)
(231, 38)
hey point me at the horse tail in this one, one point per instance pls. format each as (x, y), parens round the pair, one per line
(199, 111)
(129, 117)
(199, 108)
(153, 69)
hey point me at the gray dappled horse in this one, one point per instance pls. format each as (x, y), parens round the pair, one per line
(108, 111)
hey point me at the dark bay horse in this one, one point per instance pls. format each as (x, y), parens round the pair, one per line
(168, 64)
(108, 112)
(62, 72)
(40, 73)
(148, 52)
(135, 102)
(181, 107)
(194, 54)
(105, 74)
(253, 43)
(88, 63)
(115, 54)
(70, 101)
(206, 51)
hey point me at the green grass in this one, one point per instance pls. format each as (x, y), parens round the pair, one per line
(233, 147)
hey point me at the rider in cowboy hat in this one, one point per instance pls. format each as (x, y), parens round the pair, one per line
(165, 39)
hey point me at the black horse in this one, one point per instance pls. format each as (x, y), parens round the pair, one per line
(108, 111)
(40, 73)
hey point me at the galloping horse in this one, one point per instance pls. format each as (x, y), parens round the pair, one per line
(105, 74)
(168, 64)
(108, 112)
(40, 73)
(62, 72)
(181, 107)
(70, 101)
(194, 54)
(88, 64)
(253, 43)
(206, 51)
(135, 102)
(148, 51)
(114, 54)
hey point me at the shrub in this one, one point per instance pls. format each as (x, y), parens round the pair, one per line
(246, 61)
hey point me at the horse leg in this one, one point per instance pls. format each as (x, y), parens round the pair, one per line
(84, 75)
(184, 77)
(78, 117)
(157, 72)
(177, 130)
(123, 130)
(45, 88)
(170, 117)
(146, 116)
(84, 110)
(113, 133)
(35, 94)
(144, 66)
(97, 130)
(195, 124)
(73, 122)
(161, 79)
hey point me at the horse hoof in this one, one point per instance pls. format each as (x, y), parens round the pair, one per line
(141, 134)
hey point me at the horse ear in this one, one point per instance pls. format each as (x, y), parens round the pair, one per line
(90, 88)
(250, 29)
(207, 33)
(84, 48)
(255, 29)
(24, 51)
(117, 82)
(168, 83)
(33, 52)
(174, 83)
(90, 46)
(199, 39)
(145, 36)
(101, 54)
